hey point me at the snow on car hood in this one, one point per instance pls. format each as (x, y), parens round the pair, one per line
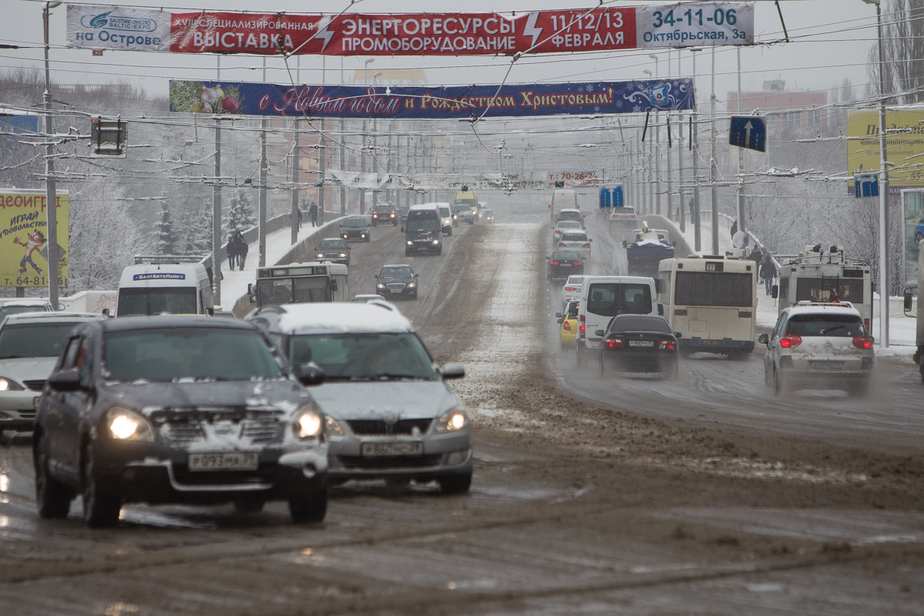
(370, 400)
(149, 397)
(27, 368)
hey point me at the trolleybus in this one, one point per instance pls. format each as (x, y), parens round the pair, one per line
(712, 302)
(300, 282)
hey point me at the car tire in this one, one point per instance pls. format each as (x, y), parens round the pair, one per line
(602, 368)
(407, 252)
(247, 505)
(414, 296)
(455, 484)
(918, 237)
(52, 497)
(580, 358)
(778, 385)
(100, 509)
(672, 372)
(439, 251)
(309, 510)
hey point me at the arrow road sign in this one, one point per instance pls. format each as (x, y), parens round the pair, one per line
(748, 132)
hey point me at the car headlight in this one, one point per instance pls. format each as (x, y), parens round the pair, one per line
(452, 421)
(320, 255)
(308, 424)
(436, 242)
(334, 428)
(380, 286)
(9, 385)
(410, 243)
(411, 285)
(128, 425)
(343, 255)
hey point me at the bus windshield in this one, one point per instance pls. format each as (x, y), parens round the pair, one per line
(154, 300)
(711, 289)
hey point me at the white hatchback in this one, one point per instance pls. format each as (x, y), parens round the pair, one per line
(576, 241)
(572, 288)
(819, 346)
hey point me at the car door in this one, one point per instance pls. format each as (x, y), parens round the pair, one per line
(73, 405)
(771, 357)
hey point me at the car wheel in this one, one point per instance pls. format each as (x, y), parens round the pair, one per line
(455, 484)
(602, 368)
(248, 505)
(918, 237)
(439, 251)
(672, 372)
(778, 385)
(310, 509)
(52, 497)
(921, 369)
(414, 296)
(100, 509)
(407, 252)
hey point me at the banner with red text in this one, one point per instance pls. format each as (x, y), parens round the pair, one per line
(684, 24)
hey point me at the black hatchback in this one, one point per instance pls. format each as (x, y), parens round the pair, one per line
(183, 410)
(564, 263)
(638, 343)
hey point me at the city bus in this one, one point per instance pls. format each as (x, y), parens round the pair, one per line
(298, 283)
(820, 276)
(711, 301)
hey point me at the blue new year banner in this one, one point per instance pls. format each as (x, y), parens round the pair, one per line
(437, 102)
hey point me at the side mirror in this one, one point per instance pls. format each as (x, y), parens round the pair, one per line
(105, 312)
(402, 228)
(661, 310)
(310, 374)
(333, 284)
(678, 335)
(416, 275)
(452, 371)
(599, 333)
(376, 276)
(250, 295)
(763, 339)
(65, 380)
(625, 243)
(774, 291)
(907, 301)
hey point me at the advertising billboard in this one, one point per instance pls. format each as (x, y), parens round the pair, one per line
(24, 238)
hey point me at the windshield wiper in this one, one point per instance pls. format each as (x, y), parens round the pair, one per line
(831, 329)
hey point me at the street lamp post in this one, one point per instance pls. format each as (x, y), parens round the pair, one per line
(883, 193)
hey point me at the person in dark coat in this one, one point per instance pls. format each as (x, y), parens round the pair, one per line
(241, 250)
(313, 214)
(767, 272)
(231, 249)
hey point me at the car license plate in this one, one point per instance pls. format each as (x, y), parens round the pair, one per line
(400, 448)
(641, 343)
(228, 461)
(819, 364)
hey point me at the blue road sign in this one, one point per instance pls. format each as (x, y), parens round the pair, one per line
(866, 185)
(611, 196)
(748, 132)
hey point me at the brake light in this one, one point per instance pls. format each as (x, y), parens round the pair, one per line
(866, 324)
(863, 342)
(587, 245)
(614, 343)
(566, 326)
(554, 263)
(576, 263)
(667, 345)
(561, 245)
(570, 289)
(581, 325)
(790, 342)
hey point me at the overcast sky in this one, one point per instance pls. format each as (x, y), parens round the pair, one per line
(831, 40)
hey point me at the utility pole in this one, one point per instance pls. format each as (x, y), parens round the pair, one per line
(216, 208)
(713, 169)
(322, 166)
(682, 209)
(296, 156)
(694, 150)
(261, 216)
(51, 198)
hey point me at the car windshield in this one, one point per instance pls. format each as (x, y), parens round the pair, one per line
(333, 244)
(8, 310)
(354, 222)
(840, 325)
(390, 273)
(639, 324)
(445, 212)
(365, 356)
(34, 339)
(565, 256)
(155, 300)
(575, 280)
(383, 208)
(569, 224)
(198, 353)
(421, 225)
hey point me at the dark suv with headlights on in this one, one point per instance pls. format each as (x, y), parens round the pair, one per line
(396, 281)
(355, 228)
(183, 410)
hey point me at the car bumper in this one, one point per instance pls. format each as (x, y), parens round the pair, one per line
(424, 247)
(17, 409)
(442, 455)
(640, 361)
(155, 474)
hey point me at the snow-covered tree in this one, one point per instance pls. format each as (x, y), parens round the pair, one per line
(166, 240)
(195, 231)
(241, 214)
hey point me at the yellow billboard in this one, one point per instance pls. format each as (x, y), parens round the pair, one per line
(24, 238)
(904, 146)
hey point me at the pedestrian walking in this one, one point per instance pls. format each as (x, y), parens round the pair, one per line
(231, 249)
(767, 272)
(313, 214)
(241, 250)
(299, 217)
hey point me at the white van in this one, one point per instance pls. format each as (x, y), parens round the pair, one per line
(173, 284)
(562, 200)
(603, 297)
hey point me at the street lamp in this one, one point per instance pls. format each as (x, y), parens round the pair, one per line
(655, 58)
(366, 69)
(883, 193)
